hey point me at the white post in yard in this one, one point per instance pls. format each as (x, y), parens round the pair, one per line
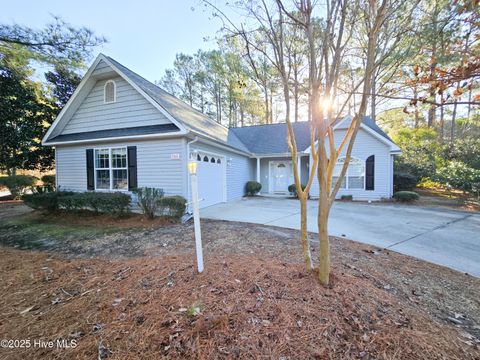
(192, 168)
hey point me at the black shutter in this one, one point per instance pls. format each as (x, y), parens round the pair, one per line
(132, 167)
(370, 173)
(90, 170)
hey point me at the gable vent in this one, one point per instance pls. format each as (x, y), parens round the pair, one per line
(110, 92)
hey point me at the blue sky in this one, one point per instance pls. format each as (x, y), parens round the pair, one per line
(144, 35)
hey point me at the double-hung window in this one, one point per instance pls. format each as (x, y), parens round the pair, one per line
(111, 171)
(355, 175)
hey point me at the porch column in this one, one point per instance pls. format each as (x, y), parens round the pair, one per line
(258, 169)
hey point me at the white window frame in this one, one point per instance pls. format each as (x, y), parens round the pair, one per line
(348, 172)
(110, 168)
(105, 92)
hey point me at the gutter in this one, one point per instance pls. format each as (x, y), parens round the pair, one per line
(117, 138)
(220, 144)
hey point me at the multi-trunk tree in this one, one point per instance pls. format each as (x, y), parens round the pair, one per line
(330, 34)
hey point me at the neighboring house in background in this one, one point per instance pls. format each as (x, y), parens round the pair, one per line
(119, 132)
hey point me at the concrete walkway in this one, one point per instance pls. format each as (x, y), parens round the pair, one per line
(445, 237)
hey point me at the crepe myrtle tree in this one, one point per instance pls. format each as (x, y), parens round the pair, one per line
(332, 45)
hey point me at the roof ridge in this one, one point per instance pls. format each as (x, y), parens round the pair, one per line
(273, 124)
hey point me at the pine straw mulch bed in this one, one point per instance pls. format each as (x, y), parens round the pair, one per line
(250, 307)
(129, 294)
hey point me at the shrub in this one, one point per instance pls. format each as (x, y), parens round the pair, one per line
(404, 181)
(49, 201)
(458, 175)
(49, 182)
(114, 203)
(90, 199)
(148, 200)
(346, 197)
(73, 201)
(17, 184)
(405, 196)
(292, 189)
(252, 188)
(173, 206)
(428, 183)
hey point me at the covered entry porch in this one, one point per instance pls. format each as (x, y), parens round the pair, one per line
(275, 172)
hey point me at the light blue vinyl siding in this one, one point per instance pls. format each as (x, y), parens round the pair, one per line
(130, 109)
(366, 145)
(155, 166)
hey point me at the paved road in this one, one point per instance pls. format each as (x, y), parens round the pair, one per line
(445, 237)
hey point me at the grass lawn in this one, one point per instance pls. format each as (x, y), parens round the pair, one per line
(32, 232)
(129, 292)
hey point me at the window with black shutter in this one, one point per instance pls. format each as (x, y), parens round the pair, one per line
(370, 173)
(90, 170)
(132, 167)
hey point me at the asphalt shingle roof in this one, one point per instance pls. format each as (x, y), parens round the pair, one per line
(257, 139)
(189, 117)
(272, 138)
(368, 121)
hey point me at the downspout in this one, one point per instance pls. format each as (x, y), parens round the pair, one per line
(189, 200)
(56, 170)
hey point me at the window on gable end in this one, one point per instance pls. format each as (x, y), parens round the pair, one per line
(110, 92)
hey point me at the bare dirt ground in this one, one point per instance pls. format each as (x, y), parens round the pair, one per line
(134, 293)
(442, 198)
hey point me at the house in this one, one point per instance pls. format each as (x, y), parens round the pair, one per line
(119, 131)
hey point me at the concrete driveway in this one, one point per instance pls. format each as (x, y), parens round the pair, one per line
(445, 237)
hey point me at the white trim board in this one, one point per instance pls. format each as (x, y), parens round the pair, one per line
(116, 138)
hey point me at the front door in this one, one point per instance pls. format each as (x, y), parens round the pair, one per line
(281, 175)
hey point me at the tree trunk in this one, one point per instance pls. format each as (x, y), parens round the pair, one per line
(271, 106)
(469, 102)
(415, 98)
(374, 98)
(295, 92)
(431, 112)
(324, 256)
(267, 113)
(442, 119)
(242, 117)
(307, 256)
(452, 128)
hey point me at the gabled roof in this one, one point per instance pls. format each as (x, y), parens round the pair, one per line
(370, 126)
(272, 138)
(252, 140)
(369, 122)
(190, 118)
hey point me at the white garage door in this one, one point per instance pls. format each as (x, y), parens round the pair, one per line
(211, 179)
